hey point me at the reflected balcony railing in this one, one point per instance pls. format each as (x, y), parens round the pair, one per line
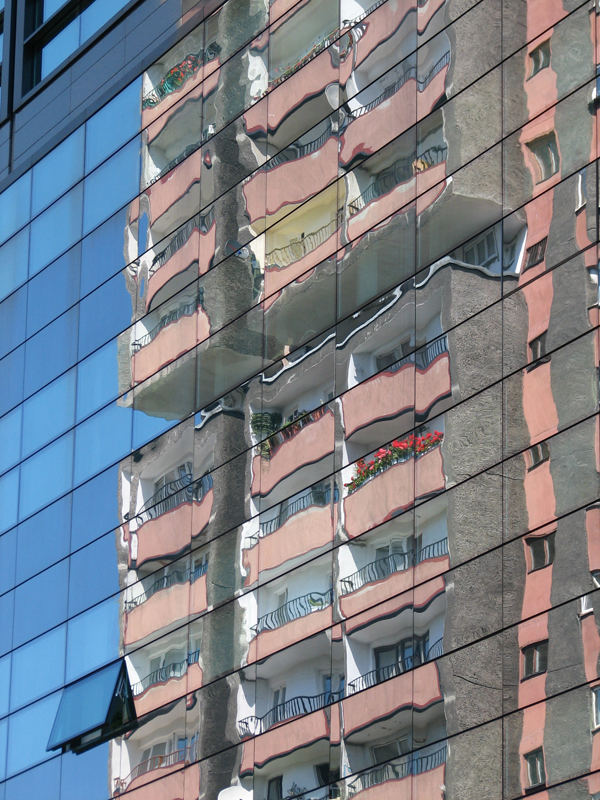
(293, 609)
(295, 151)
(319, 495)
(183, 754)
(165, 673)
(173, 494)
(407, 663)
(178, 75)
(409, 74)
(178, 159)
(295, 707)
(395, 770)
(177, 576)
(422, 358)
(183, 310)
(298, 248)
(392, 454)
(268, 447)
(400, 171)
(202, 222)
(395, 562)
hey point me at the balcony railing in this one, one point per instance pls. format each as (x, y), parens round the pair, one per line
(183, 310)
(179, 74)
(319, 495)
(395, 770)
(297, 706)
(173, 494)
(202, 222)
(409, 74)
(295, 151)
(395, 562)
(376, 676)
(185, 153)
(177, 576)
(165, 673)
(298, 248)
(400, 171)
(422, 358)
(294, 609)
(268, 447)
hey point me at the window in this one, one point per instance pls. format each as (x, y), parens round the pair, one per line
(326, 775)
(279, 704)
(586, 605)
(537, 351)
(394, 659)
(536, 774)
(541, 551)
(535, 659)
(538, 454)
(388, 750)
(581, 200)
(539, 58)
(482, 251)
(536, 253)
(275, 788)
(595, 707)
(545, 152)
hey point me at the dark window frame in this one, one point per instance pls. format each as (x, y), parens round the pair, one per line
(545, 547)
(535, 659)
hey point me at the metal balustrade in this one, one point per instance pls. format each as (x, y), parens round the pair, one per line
(183, 310)
(295, 151)
(319, 495)
(173, 494)
(381, 674)
(422, 358)
(400, 171)
(165, 673)
(298, 248)
(178, 75)
(395, 770)
(202, 222)
(293, 609)
(295, 707)
(177, 576)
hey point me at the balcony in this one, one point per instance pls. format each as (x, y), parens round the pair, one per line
(405, 767)
(167, 683)
(296, 707)
(393, 670)
(179, 510)
(168, 599)
(292, 533)
(160, 767)
(390, 484)
(291, 623)
(416, 382)
(301, 442)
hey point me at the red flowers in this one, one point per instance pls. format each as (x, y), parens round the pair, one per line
(392, 454)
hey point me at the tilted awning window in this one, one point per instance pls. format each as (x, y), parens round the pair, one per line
(93, 710)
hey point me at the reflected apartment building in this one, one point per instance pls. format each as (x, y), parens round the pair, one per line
(331, 511)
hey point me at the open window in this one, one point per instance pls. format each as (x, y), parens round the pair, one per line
(94, 710)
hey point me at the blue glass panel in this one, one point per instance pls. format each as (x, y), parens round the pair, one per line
(84, 705)
(44, 538)
(8, 556)
(102, 440)
(49, 412)
(96, 15)
(50, 6)
(111, 185)
(28, 733)
(89, 770)
(93, 575)
(103, 314)
(57, 171)
(41, 783)
(51, 351)
(3, 740)
(97, 380)
(95, 508)
(12, 368)
(4, 684)
(103, 137)
(14, 257)
(102, 252)
(13, 317)
(14, 206)
(59, 48)
(93, 639)
(9, 497)
(10, 436)
(55, 230)
(41, 603)
(6, 621)
(53, 290)
(29, 681)
(46, 475)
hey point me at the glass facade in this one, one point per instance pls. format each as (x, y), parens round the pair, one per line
(297, 498)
